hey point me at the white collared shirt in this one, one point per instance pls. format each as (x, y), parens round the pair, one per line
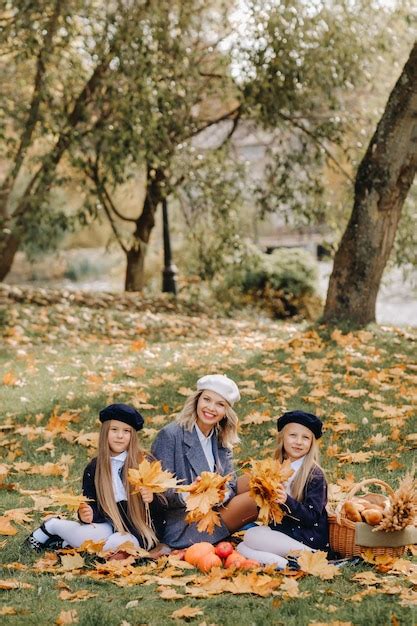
(207, 445)
(295, 465)
(117, 463)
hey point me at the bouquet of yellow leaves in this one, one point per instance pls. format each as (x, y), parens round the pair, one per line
(204, 494)
(151, 475)
(264, 478)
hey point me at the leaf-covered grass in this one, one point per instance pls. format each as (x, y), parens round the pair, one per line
(61, 361)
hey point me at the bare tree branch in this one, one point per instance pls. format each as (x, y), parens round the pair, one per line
(320, 143)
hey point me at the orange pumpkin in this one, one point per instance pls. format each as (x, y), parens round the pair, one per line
(194, 552)
(249, 564)
(207, 561)
(235, 560)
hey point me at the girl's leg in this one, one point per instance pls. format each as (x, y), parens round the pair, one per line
(264, 538)
(265, 558)
(117, 539)
(75, 533)
(239, 511)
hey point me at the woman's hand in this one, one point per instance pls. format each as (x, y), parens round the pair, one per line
(85, 513)
(147, 494)
(280, 495)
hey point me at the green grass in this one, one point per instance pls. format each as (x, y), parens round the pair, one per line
(80, 359)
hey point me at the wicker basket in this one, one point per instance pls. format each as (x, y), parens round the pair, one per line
(342, 530)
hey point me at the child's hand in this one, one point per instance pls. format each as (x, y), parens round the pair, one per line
(147, 494)
(85, 513)
(280, 495)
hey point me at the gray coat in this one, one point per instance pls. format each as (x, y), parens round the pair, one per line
(180, 452)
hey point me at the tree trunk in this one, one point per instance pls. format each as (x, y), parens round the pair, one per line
(383, 180)
(135, 269)
(9, 247)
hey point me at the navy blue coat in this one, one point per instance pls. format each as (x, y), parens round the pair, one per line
(89, 490)
(180, 452)
(307, 521)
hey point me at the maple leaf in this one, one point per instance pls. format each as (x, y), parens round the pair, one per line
(12, 583)
(76, 596)
(169, 594)
(264, 478)
(92, 547)
(70, 562)
(8, 610)
(253, 583)
(290, 588)
(204, 494)
(356, 457)
(316, 564)
(69, 500)
(67, 617)
(151, 475)
(186, 612)
(6, 528)
(48, 469)
(19, 516)
(88, 440)
(256, 418)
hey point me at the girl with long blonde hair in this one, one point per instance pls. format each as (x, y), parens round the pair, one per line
(112, 514)
(303, 498)
(201, 439)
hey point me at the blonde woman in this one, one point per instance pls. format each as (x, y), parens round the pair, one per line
(201, 439)
(303, 497)
(113, 514)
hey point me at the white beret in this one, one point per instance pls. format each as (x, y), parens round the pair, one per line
(221, 384)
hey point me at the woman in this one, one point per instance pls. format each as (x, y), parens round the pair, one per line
(201, 439)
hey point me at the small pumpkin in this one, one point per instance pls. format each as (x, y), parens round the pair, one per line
(207, 561)
(249, 564)
(235, 560)
(194, 552)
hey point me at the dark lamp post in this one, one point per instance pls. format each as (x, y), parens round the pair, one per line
(169, 283)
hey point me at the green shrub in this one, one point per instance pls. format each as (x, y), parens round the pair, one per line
(282, 282)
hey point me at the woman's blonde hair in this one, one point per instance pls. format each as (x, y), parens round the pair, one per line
(104, 486)
(226, 428)
(306, 471)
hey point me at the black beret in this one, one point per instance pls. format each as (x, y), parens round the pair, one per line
(122, 413)
(308, 420)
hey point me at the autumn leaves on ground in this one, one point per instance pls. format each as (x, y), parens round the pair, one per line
(60, 365)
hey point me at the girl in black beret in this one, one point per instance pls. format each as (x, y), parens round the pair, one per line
(113, 514)
(303, 497)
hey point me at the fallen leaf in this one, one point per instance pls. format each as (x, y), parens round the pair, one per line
(67, 617)
(186, 612)
(6, 528)
(316, 564)
(70, 562)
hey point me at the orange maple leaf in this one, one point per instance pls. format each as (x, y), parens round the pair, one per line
(264, 478)
(6, 528)
(72, 502)
(151, 475)
(316, 564)
(204, 494)
(186, 612)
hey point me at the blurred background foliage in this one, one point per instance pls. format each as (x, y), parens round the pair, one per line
(249, 116)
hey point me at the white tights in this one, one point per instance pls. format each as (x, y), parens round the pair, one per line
(268, 546)
(75, 533)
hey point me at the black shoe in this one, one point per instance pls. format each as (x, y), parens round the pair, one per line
(54, 542)
(292, 562)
